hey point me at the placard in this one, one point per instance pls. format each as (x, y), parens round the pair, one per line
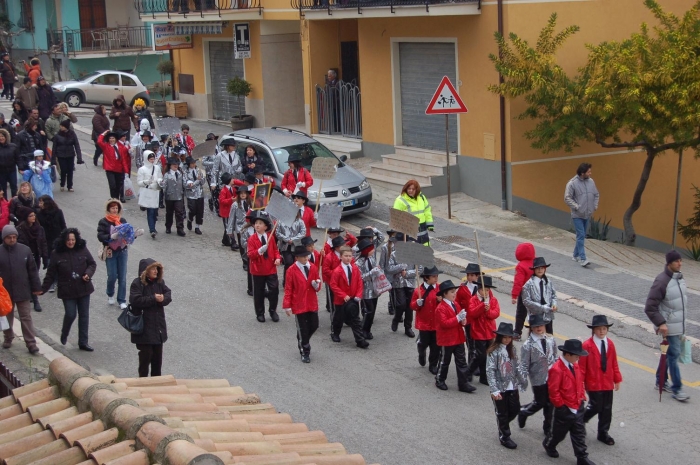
(166, 37)
(329, 215)
(169, 126)
(204, 149)
(414, 254)
(404, 222)
(280, 207)
(323, 168)
(261, 196)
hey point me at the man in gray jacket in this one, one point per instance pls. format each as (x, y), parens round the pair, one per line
(581, 196)
(665, 307)
(21, 279)
(173, 185)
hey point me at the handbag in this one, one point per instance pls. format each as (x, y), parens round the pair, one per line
(104, 252)
(6, 304)
(380, 284)
(686, 355)
(130, 322)
(53, 173)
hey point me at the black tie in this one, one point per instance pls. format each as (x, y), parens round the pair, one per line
(306, 270)
(263, 242)
(571, 367)
(295, 176)
(349, 275)
(544, 346)
(603, 357)
(116, 152)
(542, 301)
(176, 176)
(430, 288)
(453, 307)
(311, 257)
(230, 159)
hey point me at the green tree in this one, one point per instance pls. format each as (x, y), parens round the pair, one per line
(642, 93)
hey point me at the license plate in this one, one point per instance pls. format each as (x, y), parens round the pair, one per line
(347, 203)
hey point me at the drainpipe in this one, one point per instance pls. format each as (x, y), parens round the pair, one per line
(502, 111)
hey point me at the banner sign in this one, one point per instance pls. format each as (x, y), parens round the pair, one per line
(281, 208)
(414, 254)
(404, 222)
(166, 37)
(324, 168)
(329, 215)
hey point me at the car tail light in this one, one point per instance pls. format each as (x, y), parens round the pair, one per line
(147, 92)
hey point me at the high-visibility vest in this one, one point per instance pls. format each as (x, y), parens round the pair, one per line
(418, 207)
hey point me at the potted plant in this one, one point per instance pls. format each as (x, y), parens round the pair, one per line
(240, 88)
(164, 67)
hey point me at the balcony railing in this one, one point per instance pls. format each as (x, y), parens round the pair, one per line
(331, 5)
(111, 41)
(193, 7)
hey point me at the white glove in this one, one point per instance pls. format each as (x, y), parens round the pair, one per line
(301, 184)
(138, 232)
(315, 216)
(316, 284)
(114, 236)
(213, 186)
(461, 316)
(288, 311)
(285, 191)
(420, 302)
(262, 249)
(357, 299)
(239, 169)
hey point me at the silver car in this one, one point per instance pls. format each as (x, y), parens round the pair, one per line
(101, 87)
(349, 188)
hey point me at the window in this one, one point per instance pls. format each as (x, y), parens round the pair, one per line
(127, 81)
(26, 15)
(307, 152)
(107, 80)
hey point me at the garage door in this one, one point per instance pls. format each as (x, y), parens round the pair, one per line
(422, 66)
(223, 67)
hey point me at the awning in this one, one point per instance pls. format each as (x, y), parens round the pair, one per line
(198, 28)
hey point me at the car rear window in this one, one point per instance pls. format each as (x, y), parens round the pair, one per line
(127, 81)
(307, 152)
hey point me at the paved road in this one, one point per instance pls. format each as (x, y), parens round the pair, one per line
(378, 402)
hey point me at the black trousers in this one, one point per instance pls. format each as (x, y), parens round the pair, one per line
(307, 324)
(259, 283)
(428, 340)
(96, 156)
(540, 402)
(600, 403)
(479, 360)
(8, 90)
(9, 178)
(116, 184)
(195, 211)
(520, 315)
(470, 343)
(329, 300)
(150, 356)
(226, 240)
(402, 306)
(506, 410)
(177, 208)
(287, 260)
(565, 422)
(369, 307)
(67, 165)
(460, 355)
(348, 313)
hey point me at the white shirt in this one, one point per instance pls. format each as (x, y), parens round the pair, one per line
(260, 236)
(301, 267)
(472, 287)
(347, 269)
(598, 340)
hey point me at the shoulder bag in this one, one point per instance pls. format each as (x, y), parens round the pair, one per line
(130, 322)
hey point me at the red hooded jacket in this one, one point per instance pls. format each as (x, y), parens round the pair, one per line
(525, 254)
(593, 376)
(483, 322)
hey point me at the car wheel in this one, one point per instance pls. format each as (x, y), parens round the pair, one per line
(73, 99)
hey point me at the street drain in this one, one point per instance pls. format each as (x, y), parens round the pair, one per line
(452, 239)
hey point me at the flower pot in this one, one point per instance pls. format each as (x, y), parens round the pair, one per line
(159, 107)
(244, 122)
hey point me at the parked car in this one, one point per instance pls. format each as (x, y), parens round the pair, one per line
(101, 87)
(350, 188)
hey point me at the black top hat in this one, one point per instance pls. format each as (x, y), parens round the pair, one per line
(336, 230)
(212, 136)
(446, 286)
(259, 169)
(337, 242)
(115, 134)
(154, 145)
(251, 215)
(430, 271)
(249, 178)
(175, 161)
(164, 137)
(122, 134)
(488, 282)
(539, 262)
(190, 160)
(228, 141)
(300, 195)
(391, 231)
(473, 268)
(573, 346)
(505, 329)
(536, 320)
(364, 243)
(300, 252)
(366, 233)
(599, 320)
(263, 217)
(307, 241)
(294, 157)
(226, 179)
(147, 134)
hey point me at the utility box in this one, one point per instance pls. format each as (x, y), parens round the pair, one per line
(176, 108)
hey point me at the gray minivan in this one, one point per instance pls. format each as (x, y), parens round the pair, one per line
(350, 188)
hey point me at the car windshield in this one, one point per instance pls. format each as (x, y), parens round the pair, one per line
(307, 152)
(89, 76)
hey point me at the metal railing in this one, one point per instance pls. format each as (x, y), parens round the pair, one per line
(8, 381)
(331, 5)
(109, 40)
(339, 109)
(190, 7)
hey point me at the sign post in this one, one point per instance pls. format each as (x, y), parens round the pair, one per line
(446, 101)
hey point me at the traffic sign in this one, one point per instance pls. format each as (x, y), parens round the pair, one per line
(446, 100)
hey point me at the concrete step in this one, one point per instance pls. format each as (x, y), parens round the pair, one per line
(415, 165)
(392, 183)
(391, 171)
(339, 144)
(418, 153)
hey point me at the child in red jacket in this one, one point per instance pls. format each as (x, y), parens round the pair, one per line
(296, 178)
(601, 375)
(424, 302)
(302, 284)
(346, 285)
(464, 296)
(482, 313)
(350, 240)
(565, 387)
(227, 195)
(449, 325)
(264, 259)
(307, 214)
(330, 261)
(525, 254)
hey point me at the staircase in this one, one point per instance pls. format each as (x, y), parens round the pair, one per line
(340, 145)
(425, 166)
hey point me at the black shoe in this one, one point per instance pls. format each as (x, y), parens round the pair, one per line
(521, 419)
(37, 307)
(305, 359)
(167, 231)
(606, 439)
(181, 232)
(86, 348)
(550, 452)
(64, 339)
(409, 332)
(433, 370)
(477, 372)
(484, 382)
(468, 388)
(391, 311)
(153, 234)
(584, 461)
(250, 293)
(189, 225)
(421, 358)
(509, 444)
(369, 336)
(245, 267)
(261, 318)
(235, 247)
(273, 316)
(394, 325)
(363, 344)
(335, 337)
(400, 320)
(197, 231)
(441, 385)
(143, 209)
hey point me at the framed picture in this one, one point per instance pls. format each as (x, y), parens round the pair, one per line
(261, 195)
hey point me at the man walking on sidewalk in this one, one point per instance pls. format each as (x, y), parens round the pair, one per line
(581, 196)
(665, 307)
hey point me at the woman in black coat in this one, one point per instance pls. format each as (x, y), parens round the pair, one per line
(51, 219)
(65, 148)
(31, 234)
(149, 295)
(72, 266)
(45, 96)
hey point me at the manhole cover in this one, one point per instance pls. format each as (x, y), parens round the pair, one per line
(452, 239)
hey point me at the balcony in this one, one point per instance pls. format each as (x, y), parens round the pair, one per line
(338, 9)
(108, 41)
(172, 9)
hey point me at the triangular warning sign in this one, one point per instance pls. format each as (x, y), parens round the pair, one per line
(446, 100)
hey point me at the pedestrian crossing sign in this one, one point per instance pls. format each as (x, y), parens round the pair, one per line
(446, 100)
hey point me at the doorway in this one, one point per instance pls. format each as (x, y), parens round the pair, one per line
(349, 62)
